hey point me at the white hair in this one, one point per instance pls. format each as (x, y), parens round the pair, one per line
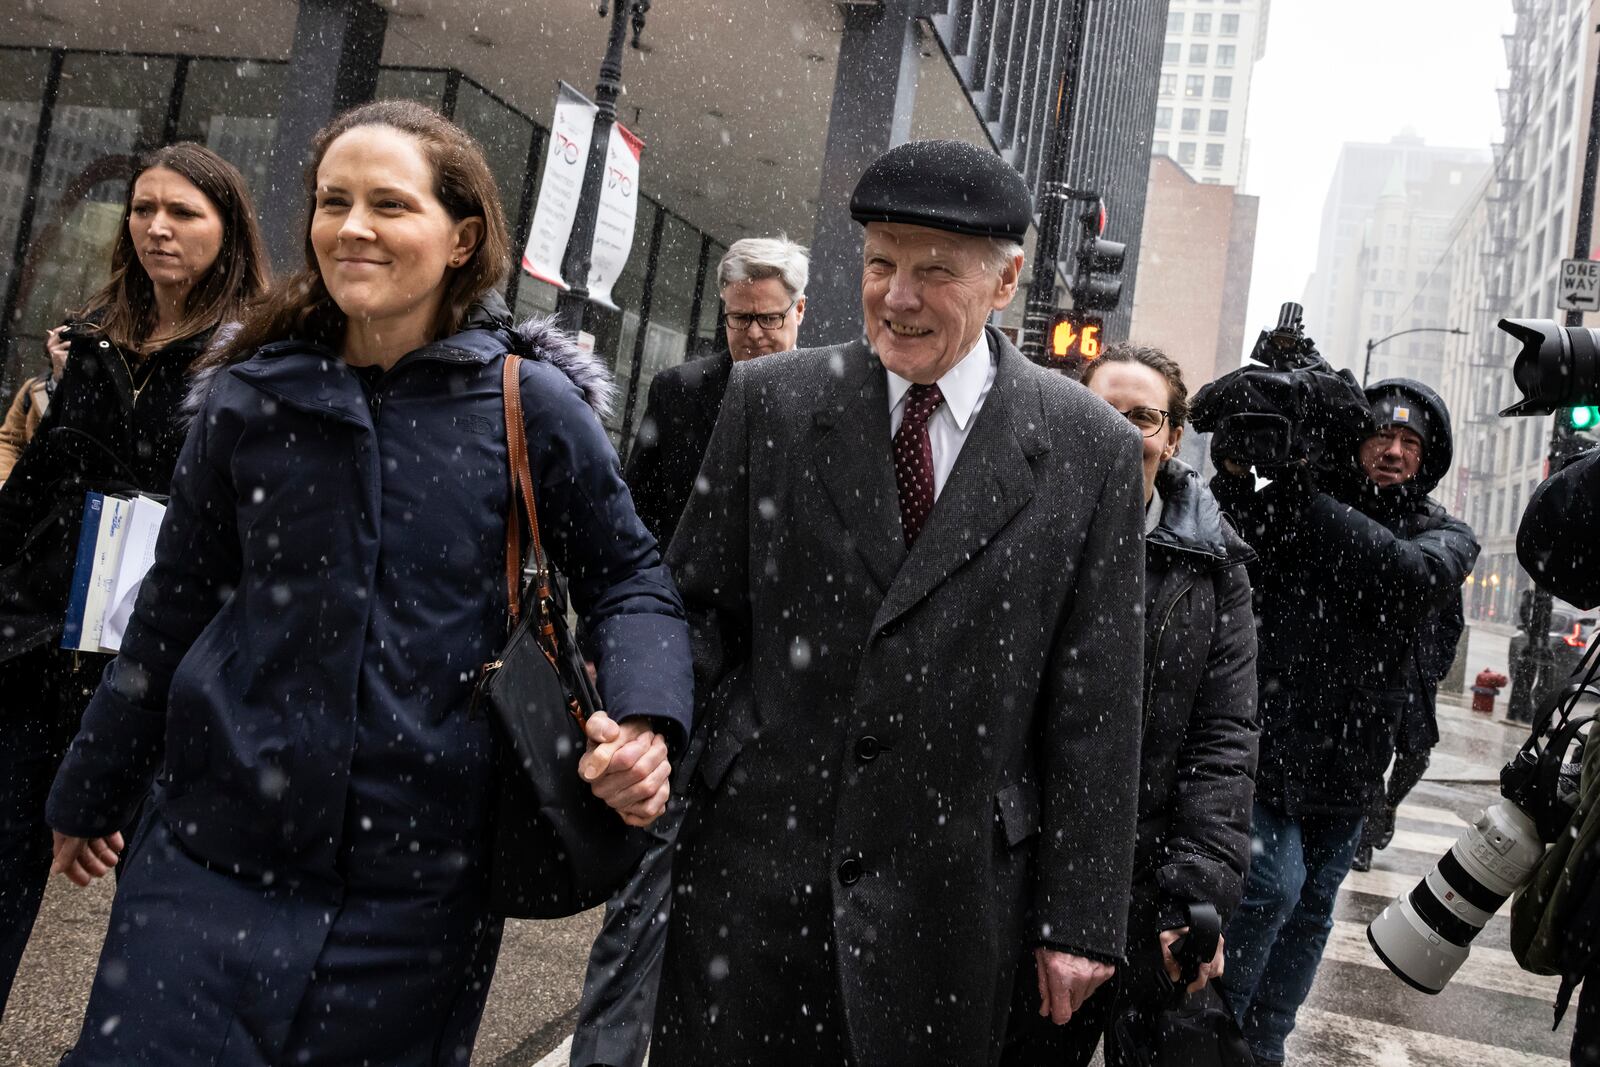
(1002, 252)
(754, 259)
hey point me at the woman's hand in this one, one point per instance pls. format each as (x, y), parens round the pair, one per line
(1212, 968)
(626, 765)
(83, 859)
(57, 347)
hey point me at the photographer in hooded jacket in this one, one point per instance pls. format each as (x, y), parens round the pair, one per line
(1352, 558)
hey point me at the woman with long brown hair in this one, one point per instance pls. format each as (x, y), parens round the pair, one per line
(187, 258)
(311, 884)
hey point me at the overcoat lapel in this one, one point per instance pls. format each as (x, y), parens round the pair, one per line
(854, 463)
(991, 481)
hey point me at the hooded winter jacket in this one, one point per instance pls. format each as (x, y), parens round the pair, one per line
(1197, 766)
(1346, 573)
(1557, 539)
(333, 555)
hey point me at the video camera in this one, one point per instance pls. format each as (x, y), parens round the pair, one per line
(1287, 408)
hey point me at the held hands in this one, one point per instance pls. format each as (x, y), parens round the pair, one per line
(626, 766)
(83, 859)
(1212, 968)
(1066, 981)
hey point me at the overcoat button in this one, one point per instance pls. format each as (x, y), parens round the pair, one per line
(867, 749)
(850, 872)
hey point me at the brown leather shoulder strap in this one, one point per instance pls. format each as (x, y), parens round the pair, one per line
(521, 487)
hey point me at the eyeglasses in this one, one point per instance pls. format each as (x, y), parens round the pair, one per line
(1148, 421)
(767, 320)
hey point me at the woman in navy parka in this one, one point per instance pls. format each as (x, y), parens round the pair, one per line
(309, 887)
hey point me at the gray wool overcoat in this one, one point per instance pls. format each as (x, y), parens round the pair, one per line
(918, 765)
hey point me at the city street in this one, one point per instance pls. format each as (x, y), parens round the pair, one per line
(1358, 1014)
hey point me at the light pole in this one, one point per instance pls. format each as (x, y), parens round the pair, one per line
(1366, 368)
(573, 301)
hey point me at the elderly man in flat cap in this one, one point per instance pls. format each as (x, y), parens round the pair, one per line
(913, 568)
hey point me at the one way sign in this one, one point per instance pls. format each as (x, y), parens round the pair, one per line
(1580, 285)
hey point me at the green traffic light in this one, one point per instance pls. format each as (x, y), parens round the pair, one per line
(1584, 418)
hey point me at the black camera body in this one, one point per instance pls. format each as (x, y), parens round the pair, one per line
(1287, 407)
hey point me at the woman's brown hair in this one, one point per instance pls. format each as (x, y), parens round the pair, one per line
(301, 306)
(1156, 360)
(126, 306)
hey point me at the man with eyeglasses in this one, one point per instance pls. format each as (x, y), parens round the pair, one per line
(762, 281)
(1354, 561)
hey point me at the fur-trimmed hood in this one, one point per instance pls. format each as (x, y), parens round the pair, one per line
(535, 338)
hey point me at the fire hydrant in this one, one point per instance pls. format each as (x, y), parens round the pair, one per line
(1485, 687)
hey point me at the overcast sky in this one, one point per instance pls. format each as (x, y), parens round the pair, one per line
(1356, 70)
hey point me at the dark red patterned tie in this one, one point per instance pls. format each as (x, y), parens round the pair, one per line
(913, 459)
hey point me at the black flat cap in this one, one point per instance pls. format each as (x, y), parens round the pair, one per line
(944, 185)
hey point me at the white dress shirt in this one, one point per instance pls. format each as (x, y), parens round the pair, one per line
(964, 387)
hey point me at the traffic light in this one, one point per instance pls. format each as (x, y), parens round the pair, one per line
(1074, 336)
(1583, 419)
(1095, 285)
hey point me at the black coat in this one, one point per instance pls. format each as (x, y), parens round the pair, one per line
(101, 433)
(1345, 576)
(919, 764)
(1434, 650)
(1558, 541)
(1196, 779)
(328, 581)
(678, 419)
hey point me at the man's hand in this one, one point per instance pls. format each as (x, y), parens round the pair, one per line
(82, 859)
(58, 348)
(1066, 981)
(626, 766)
(1212, 968)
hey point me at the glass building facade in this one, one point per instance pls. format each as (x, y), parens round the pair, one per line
(72, 123)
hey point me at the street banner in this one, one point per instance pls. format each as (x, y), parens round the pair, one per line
(571, 131)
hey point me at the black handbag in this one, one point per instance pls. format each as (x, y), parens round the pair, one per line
(1182, 1029)
(557, 848)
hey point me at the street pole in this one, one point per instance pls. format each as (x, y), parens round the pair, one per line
(573, 301)
(1040, 308)
(1366, 368)
(1538, 662)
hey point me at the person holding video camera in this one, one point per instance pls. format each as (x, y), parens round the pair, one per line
(1353, 558)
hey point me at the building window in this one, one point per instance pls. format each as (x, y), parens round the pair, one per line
(1163, 118)
(1186, 153)
(1191, 120)
(1194, 86)
(1222, 87)
(1158, 148)
(1174, 22)
(1225, 55)
(1217, 122)
(1169, 85)
(1172, 52)
(1202, 24)
(1230, 25)
(1214, 155)
(1197, 54)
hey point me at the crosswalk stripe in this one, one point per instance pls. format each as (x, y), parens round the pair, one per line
(1423, 813)
(558, 1056)
(1366, 1043)
(1486, 968)
(1412, 841)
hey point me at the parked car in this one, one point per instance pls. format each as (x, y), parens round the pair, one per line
(1570, 632)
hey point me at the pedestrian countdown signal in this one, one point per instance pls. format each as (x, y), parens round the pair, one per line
(1075, 336)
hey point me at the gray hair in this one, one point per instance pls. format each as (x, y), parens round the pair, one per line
(1003, 251)
(754, 259)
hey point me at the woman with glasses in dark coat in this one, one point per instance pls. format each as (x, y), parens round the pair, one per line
(1196, 777)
